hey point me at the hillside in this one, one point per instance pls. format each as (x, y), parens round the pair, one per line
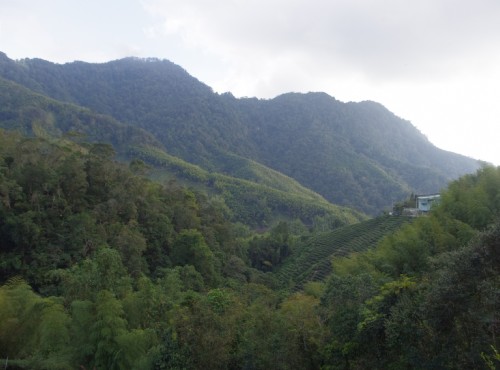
(256, 197)
(34, 114)
(358, 155)
(103, 268)
(312, 261)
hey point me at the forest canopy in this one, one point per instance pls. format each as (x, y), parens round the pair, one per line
(358, 155)
(101, 267)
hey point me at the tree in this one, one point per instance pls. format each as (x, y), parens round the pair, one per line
(108, 326)
(306, 332)
(131, 244)
(190, 248)
(33, 330)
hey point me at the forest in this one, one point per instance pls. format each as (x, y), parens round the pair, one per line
(255, 194)
(102, 267)
(356, 155)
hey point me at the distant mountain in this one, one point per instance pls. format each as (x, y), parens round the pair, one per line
(353, 154)
(256, 197)
(34, 114)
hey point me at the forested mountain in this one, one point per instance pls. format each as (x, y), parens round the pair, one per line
(148, 223)
(103, 268)
(354, 154)
(34, 114)
(256, 197)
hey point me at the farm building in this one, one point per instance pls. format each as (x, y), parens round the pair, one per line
(425, 202)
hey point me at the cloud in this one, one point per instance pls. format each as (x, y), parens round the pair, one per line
(376, 40)
(65, 30)
(434, 62)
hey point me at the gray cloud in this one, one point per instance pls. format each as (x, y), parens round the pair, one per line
(381, 39)
(434, 62)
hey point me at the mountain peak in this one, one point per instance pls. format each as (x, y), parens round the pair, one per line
(354, 154)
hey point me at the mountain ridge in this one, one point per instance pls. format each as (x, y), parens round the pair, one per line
(274, 194)
(358, 155)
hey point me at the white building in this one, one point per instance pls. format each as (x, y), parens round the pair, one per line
(425, 202)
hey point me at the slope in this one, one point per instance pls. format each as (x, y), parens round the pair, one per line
(357, 154)
(312, 260)
(257, 203)
(37, 115)
(257, 198)
(354, 154)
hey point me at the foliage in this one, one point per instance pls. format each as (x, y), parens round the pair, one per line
(267, 252)
(311, 259)
(256, 200)
(443, 316)
(37, 115)
(103, 268)
(80, 218)
(427, 296)
(353, 154)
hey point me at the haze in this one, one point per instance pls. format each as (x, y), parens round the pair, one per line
(435, 63)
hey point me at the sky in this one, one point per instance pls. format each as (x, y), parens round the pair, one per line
(435, 63)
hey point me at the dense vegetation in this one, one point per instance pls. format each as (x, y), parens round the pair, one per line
(427, 296)
(354, 154)
(148, 223)
(311, 261)
(101, 267)
(37, 115)
(256, 197)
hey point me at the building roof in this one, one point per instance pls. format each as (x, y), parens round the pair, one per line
(428, 196)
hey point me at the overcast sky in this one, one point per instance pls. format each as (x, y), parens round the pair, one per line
(433, 62)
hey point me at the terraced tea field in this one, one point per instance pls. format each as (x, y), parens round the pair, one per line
(312, 261)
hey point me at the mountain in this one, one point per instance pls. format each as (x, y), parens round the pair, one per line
(258, 196)
(358, 155)
(101, 267)
(34, 114)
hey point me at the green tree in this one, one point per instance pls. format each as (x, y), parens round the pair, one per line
(190, 248)
(109, 325)
(83, 345)
(306, 332)
(33, 330)
(103, 271)
(131, 244)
